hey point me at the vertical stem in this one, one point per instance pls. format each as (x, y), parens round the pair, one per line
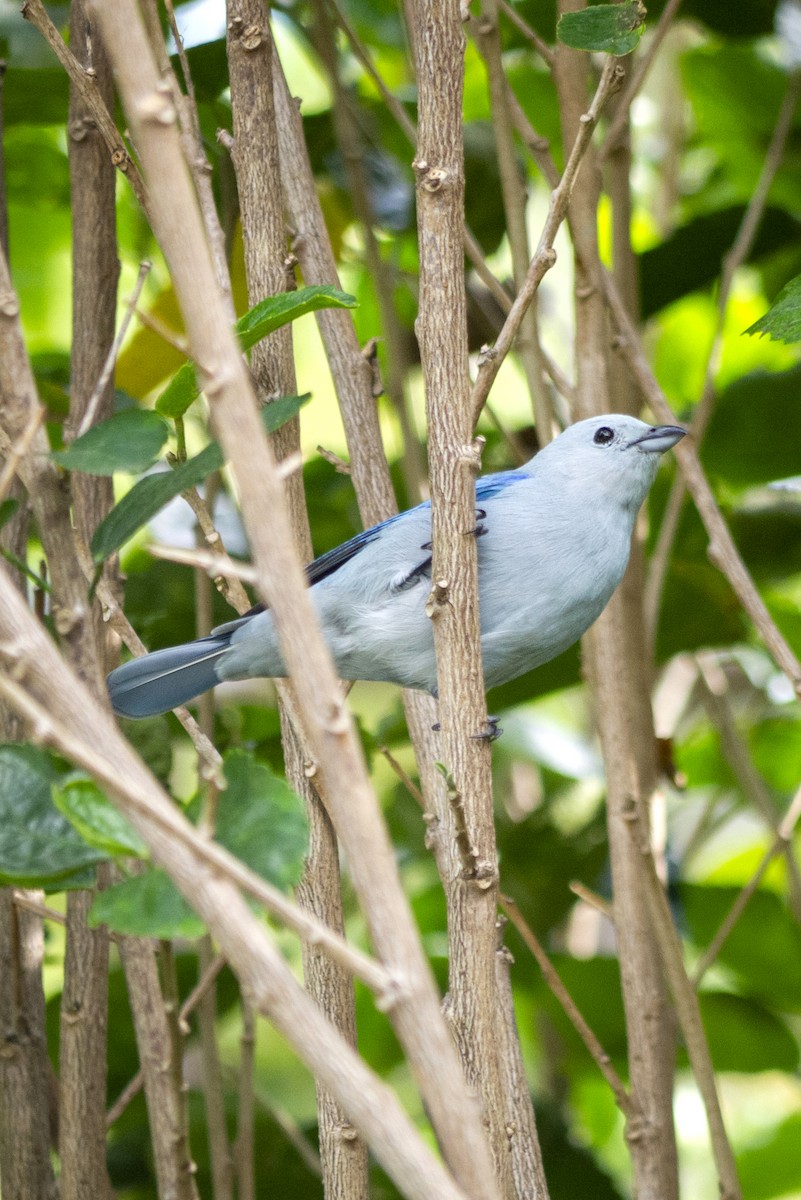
(246, 1129)
(25, 1107)
(174, 1168)
(95, 270)
(471, 875)
(256, 161)
(514, 204)
(616, 658)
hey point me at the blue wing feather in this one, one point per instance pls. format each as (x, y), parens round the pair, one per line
(486, 487)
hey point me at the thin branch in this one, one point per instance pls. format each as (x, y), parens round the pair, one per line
(134, 1085)
(96, 399)
(619, 123)
(545, 255)
(14, 452)
(783, 838)
(722, 550)
(543, 49)
(733, 260)
(209, 756)
(48, 732)
(409, 130)
(718, 708)
(30, 903)
(513, 192)
(35, 12)
(244, 1164)
(551, 977)
(686, 1001)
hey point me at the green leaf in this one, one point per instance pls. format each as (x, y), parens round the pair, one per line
(147, 905)
(755, 430)
(771, 1166)
(782, 321)
(275, 311)
(609, 28)
(129, 441)
(764, 947)
(150, 494)
(96, 820)
(259, 819)
(38, 847)
(744, 1035)
(7, 510)
(263, 318)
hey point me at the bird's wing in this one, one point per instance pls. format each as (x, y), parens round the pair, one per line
(326, 564)
(487, 487)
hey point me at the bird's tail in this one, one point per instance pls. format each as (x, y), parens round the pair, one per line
(164, 679)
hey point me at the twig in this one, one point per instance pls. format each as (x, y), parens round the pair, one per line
(722, 549)
(96, 399)
(403, 776)
(544, 256)
(213, 562)
(783, 837)
(209, 756)
(28, 901)
(715, 698)
(514, 203)
(687, 1009)
(732, 262)
(244, 1164)
(619, 122)
(34, 11)
(151, 321)
(47, 731)
(407, 127)
(551, 977)
(593, 900)
(134, 1085)
(14, 452)
(543, 49)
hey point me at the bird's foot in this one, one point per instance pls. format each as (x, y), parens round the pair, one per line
(479, 529)
(492, 732)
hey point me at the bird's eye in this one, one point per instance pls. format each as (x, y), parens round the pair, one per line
(603, 436)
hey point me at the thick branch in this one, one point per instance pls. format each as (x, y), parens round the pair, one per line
(177, 224)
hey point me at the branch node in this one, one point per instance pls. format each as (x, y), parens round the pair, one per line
(9, 304)
(431, 179)
(158, 106)
(437, 599)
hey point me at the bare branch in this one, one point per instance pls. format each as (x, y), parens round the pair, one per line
(722, 549)
(551, 977)
(84, 83)
(545, 255)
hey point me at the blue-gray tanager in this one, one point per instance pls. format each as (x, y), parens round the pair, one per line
(555, 541)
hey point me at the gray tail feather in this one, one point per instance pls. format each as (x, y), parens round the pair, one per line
(164, 679)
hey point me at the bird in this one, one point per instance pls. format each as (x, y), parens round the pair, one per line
(553, 540)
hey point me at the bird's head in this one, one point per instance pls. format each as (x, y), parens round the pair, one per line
(612, 455)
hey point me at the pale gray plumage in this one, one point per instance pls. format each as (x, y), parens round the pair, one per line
(554, 543)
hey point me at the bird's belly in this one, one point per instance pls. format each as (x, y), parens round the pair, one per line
(524, 631)
(388, 642)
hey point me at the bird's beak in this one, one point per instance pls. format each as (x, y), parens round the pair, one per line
(659, 438)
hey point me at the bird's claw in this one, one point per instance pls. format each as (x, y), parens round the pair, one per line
(491, 734)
